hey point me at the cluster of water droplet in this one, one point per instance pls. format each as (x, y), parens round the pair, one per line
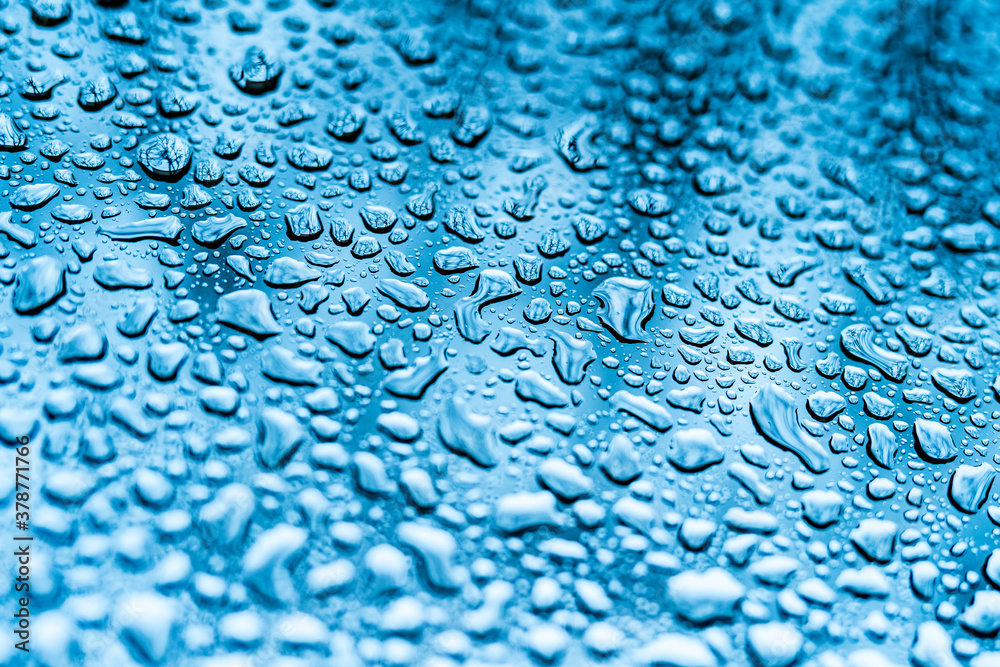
(444, 334)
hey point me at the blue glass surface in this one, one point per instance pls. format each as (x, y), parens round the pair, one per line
(499, 332)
